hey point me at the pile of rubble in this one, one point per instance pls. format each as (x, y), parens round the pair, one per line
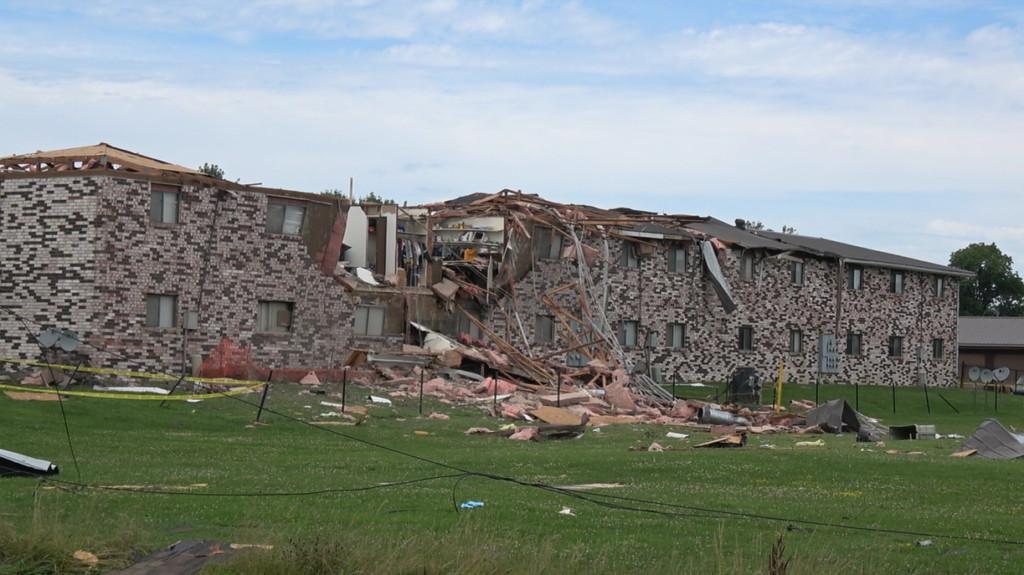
(615, 403)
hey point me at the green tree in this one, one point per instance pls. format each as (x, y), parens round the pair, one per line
(212, 170)
(995, 289)
(373, 198)
(335, 192)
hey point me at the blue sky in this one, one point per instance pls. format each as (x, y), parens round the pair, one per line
(894, 125)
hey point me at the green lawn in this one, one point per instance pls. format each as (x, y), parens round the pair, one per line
(414, 528)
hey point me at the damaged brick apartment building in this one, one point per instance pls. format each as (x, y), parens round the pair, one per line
(157, 263)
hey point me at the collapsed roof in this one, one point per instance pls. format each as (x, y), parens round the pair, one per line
(628, 223)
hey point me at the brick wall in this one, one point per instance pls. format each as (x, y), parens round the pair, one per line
(769, 303)
(47, 265)
(86, 255)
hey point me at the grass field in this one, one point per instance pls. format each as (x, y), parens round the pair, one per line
(414, 528)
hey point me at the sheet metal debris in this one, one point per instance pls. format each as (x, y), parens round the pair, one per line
(16, 464)
(993, 441)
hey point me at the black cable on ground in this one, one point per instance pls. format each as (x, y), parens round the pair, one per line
(60, 400)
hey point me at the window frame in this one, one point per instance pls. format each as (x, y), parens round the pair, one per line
(896, 346)
(852, 337)
(549, 239)
(796, 341)
(467, 326)
(938, 351)
(747, 265)
(673, 259)
(670, 335)
(158, 209)
(540, 334)
(367, 310)
(286, 206)
(796, 273)
(160, 299)
(264, 317)
(746, 343)
(630, 258)
(897, 281)
(624, 333)
(854, 278)
(940, 286)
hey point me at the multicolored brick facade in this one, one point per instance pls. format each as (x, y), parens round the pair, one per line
(81, 253)
(769, 303)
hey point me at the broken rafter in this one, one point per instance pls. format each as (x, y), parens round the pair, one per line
(527, 365)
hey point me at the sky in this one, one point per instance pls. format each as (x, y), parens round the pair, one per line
(897, 126)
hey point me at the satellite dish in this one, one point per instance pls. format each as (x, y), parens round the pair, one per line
(69, 341)
(1001, 374)
(640, 367)
(986, 376)
(974, 373)
(1020, 380)
(49, 337)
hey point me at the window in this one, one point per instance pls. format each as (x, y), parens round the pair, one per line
(163, 204)
(677, 260)
(937, 348)
(796, 341)
(160, 310)
(747, 266)
(284, 219)
(746, 338)
(629, 257)
(895, 346)
(550, 244)
(896, 281)
(468, 327)
(796, 272)
(853, 344)
(940, 286)
(370, 320)
(675, 335)
(628, 333)
(854, 278)
(545, 329)
(275, 316)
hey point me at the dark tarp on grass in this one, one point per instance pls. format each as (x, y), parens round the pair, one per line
(14, 464)
(993, 441)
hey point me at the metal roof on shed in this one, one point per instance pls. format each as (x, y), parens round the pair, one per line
(985, 331)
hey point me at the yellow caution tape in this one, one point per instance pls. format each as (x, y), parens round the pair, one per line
(136, 396)
(246, 385)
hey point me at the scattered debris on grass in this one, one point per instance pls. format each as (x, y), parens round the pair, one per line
(89, 559)
(992, 441)
(31, 396)
(15, 464)
(186, 558)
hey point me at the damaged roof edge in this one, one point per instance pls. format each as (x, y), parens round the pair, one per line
(911, 268)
